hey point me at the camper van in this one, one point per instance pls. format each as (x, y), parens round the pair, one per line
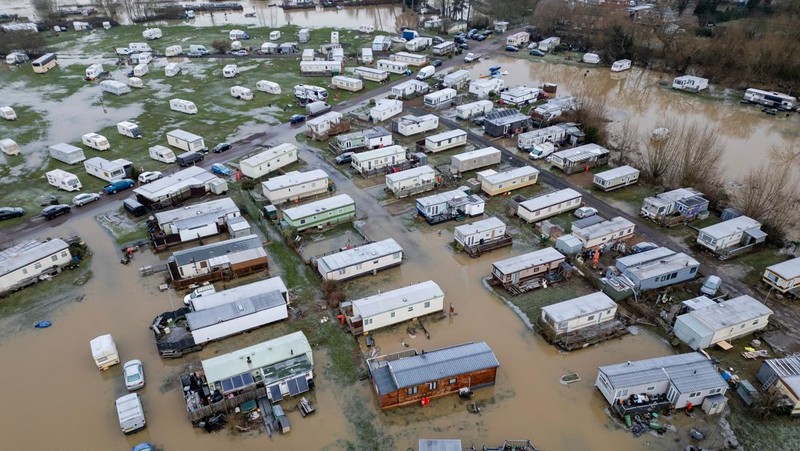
(317, 108)
(230, 71)
(130, 413)
(8, 113)
(104, 352)
(172, 69)
(162, 154)
(152, 33)
(238, 35)
(95, 141)
(135, 82)
(198, 49)
(183, 106)
(94, 71)
(426, 72)
(173, 50)
(269, 87)
(241, 93)
(129, 129)
(139, 47)
(140, 70)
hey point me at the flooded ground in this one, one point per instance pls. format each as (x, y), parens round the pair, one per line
(747, 133)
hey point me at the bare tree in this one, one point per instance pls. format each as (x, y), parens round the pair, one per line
(698, 153)
(626, 142)
(656, 157)
(680, 6)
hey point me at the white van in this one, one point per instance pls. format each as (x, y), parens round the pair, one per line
(172, 69)
(543, 150)
(242, 93)
(199, 49)
(426, 72)
(202, 290)
(173, 50)
(268, 86)
(230, 71)
(104, 352)
(139, 47)
(130, 413)
(162, 154)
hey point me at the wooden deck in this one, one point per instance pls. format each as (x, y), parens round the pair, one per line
(478, 249)
(582, 338)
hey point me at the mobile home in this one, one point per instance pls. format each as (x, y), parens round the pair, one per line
(679, 202)
(241, 93)
(481, 232)
(269, 160)
(381, 43)
(329, 124)
(656, 268)
(385, 109)
(445, 140)
(729, 236)
(269, 87)
(172, 69)
(173, 50)
(412, 59)
(580, 158)
(183, 106)
(94, 71)
(410, 88)
(547, 205)
(211, 262)
(114, 87)
(476, 159)
(321, 68)
(418, 44)
(612, 230)
(721, 322)
(553, 134)
(365, 57)
(690, 83)
(440, 99)
(578, 313)
(616, 178)
(162, 154)
(319, 214)
(181, 225)
(783, 277)
(482, 87)
(378, 158)
(555, 108)
(522, 267)
(294, 186)
(8, 113)
(108, 170)
(781, 376)
(9, 147)
(444, 48)
(469, 110)
(441, 207)
(507, 181)
(44, 63)
(457, 80)
(24, 262)
(411, 181)
(347, 83)
(66, 153)
(394, 306)
(95, 141)
(505, 122)
(549, 44)
(519, 39)
(519, 95)
(370, 74)
(412, 125)
(63, 180)
(395, 67)
(185, 141)
(361, 260)
(770, 99)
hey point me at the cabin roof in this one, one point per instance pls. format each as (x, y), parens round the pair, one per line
(360, 254)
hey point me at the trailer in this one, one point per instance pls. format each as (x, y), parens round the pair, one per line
(410, 89)
(412, 59)
(8, 113)
(347, 83)
(139, 47)
(114, 87)
(616, 178)
(321, 68)
(440, 99)
(591, 58)
(66, 153)
(139, 70)
(173, 50)
(268, 86)
(470, 110)
(230, 71)
(770, 99)
(152, 33)
(365, 57)
(185, 141)
(548, 205)
(457, 80)
(690, 83)
(269, 48)
(241, 93)
(268, 160)
(444, 48)
(274, 35)
(519, 95)
(129, 129)
(9, 147)
(621, 65)
(95, 141)
(476, 159)
(370, 74)
(553, 134)
(418, 44)
(445, 140)
(108, 171)
(304, 35)
(63, 180)
(238, 35)
(94, 71)
(183, 106)
(395, 67)
(412, 125)
(162, 154)
(385, 109)
(135, 82)
(172, 69)
(519, 39)
(141, 58)
(549, 44)
(482, 87)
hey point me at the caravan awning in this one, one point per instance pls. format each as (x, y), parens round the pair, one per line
(724, 345)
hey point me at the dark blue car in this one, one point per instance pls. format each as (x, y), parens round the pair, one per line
(296, 119)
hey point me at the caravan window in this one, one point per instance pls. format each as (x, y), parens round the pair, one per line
(54, 257)
(427, 304)
(64, 253)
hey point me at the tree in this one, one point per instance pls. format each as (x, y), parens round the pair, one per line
(45, 8)
(626, 142)
(680, 6)
(656, 158)
(33, 44)
(220, 45)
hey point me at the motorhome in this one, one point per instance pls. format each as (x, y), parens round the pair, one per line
(63, 180)
(621, 65)
(95, 141)
(770, 99)
(152, 33)
(269, 87)
(183, 106)
(370, 74)
(172, 69)
(94, 71)
(395, 67)
(162, 154)
(347, 83)
(114, 87)
(241, 93)
(173, 50)
(230, 71)
(44, 63)
(129, 129)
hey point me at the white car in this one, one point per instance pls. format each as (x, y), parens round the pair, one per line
(85, 198)
(134, 375)
(585, 212)
(150, 176)
(470, 58)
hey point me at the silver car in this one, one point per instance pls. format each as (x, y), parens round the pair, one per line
(134, 375)
(85, 198)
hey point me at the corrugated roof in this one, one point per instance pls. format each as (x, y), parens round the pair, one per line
(787, 366)
(309, 209)
(379, 153)
(580, 306)
(666, 265)
(215, 250)
(480, 226)
(240, 292)
(689, 372)
(581, 153)
(28, 252)
(621, 171)
(643, 257)
(613, 225)
(293, 178)
(788, 270)
(410, 173)
(263, 354)
(446, 135)
(442, 363)
(269, 154)
(361, 254)
(730, 313)
(550, 199)
(441, 198)
(486, 151)
(236, 309)
(511, 174)
(385, 302)
(529, 260)
(208, 211)
(730, 227)
(194, 176)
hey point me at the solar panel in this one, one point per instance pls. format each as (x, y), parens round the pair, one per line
(302, 384)
(227, 385)
(275, 393)
(292, 384)
(237, 382)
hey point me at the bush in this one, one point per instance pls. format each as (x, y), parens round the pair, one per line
(248, 184)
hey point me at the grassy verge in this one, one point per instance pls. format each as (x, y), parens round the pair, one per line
(758, 262)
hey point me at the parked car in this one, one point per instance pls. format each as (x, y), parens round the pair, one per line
(118, 185)
(463, 46)
(512, 48)
(194, 54)
(479, 120)
(479, 37)
(220, 169)
(149, 176)
(53, 211)
(459, 40)
(470, 58)
(239, 53)
(296, 119)
(535, 52)
(437, 40)
(85, 198)
(710, 286)
(221, 147)
(11, 212)
(436, 63)
(585, 212)
(644, 246)
(472, 33)
(488, 32)
(344, 158)
(134, 375)
(144, 446)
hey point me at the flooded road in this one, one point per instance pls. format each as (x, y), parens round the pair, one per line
(747, 133)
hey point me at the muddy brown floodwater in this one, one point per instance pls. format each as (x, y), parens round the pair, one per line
(747, 134)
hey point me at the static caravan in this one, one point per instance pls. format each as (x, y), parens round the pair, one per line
(366, 56)
(395, 67)
(9, 147)
(411, 181)
(441, 207)
(616, 178)
(621, 65)
(612, 230)
(482, 87)
(337, 54)
(721, 322)
(445, 140)
(8, 113)
(304, 35)
(385, 109)
(347, 83)
(440, 99)
(394, 306)
(549, 44)
(183, 106)
(359, 261)
(63, 180)
(269, 160)
(230, 71)
(519, 95)
(418, 44)
(504, 182)
(444, 48)
(321, 67)
(476, 159)
(412, 125)
(591, 58)
(518, 39)
(381, 43)
(522, 267)
(139, 70)
(114, 87)
(269, 48)
(770, 99)
(378, 158)
(690, 83)
(505, 122)
(66, 153)
(95, 141)
(294, 186)
(409, 89)
(377, 137)
(241, 93)
(412, 59)
(308, 55)
(727, 236)
(578, 313)
(555, 108)
(480, 232)
(269, 87)
(351, 141)
(682, 201)
(173, 50)
(580, 158)
(553, 134)
(457, 79)
(329, 124)
(162, 154)
(108, 170)
(370, 74)
(94, 71)
(784, 277)
(473, 109)
(552, 204)
(172, 69)
(129, 129)
(322, 213)
(656, 269)
(186, 141)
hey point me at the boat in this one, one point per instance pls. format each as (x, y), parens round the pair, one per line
(43, 324)
(398, 40)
